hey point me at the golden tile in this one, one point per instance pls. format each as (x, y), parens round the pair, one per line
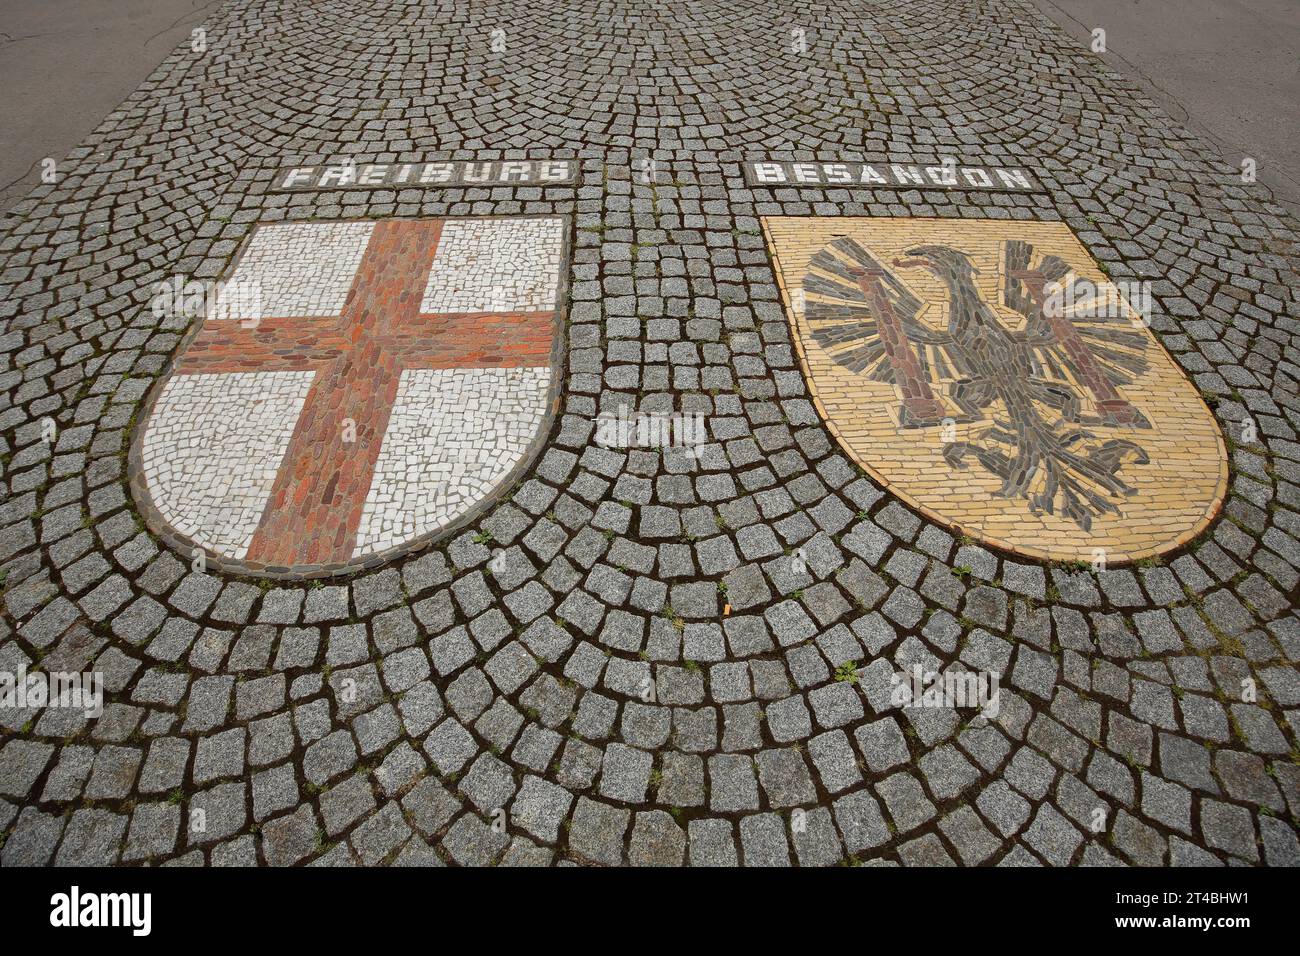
(1174, 495)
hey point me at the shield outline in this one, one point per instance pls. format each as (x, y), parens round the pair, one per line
(158, 525)
(1186, 534)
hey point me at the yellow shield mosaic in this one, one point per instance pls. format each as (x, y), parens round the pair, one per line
(990, 375)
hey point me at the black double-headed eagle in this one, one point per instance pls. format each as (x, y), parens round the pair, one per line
(1049, 389)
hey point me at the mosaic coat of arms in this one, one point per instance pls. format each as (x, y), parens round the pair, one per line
(357, 387)
(989, 374)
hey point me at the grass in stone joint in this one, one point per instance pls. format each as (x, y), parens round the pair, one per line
(1235, 727)
(847, 672)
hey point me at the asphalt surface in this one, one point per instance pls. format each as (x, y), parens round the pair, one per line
(66, 64)
(1229, 70)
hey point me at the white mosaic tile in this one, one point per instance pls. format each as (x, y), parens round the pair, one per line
(495, 265)
(295, 269)
(212, 448)
(453, 435)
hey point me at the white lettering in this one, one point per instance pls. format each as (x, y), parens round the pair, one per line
(133, 910)
(436, 173)
(805, 172)
(836, 173)
(338, 176)
(905, 174)
(769, 172)
(555, 169)
(521, 172)
(301, 174)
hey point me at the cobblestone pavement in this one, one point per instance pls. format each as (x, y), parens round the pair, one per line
(672, 659)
